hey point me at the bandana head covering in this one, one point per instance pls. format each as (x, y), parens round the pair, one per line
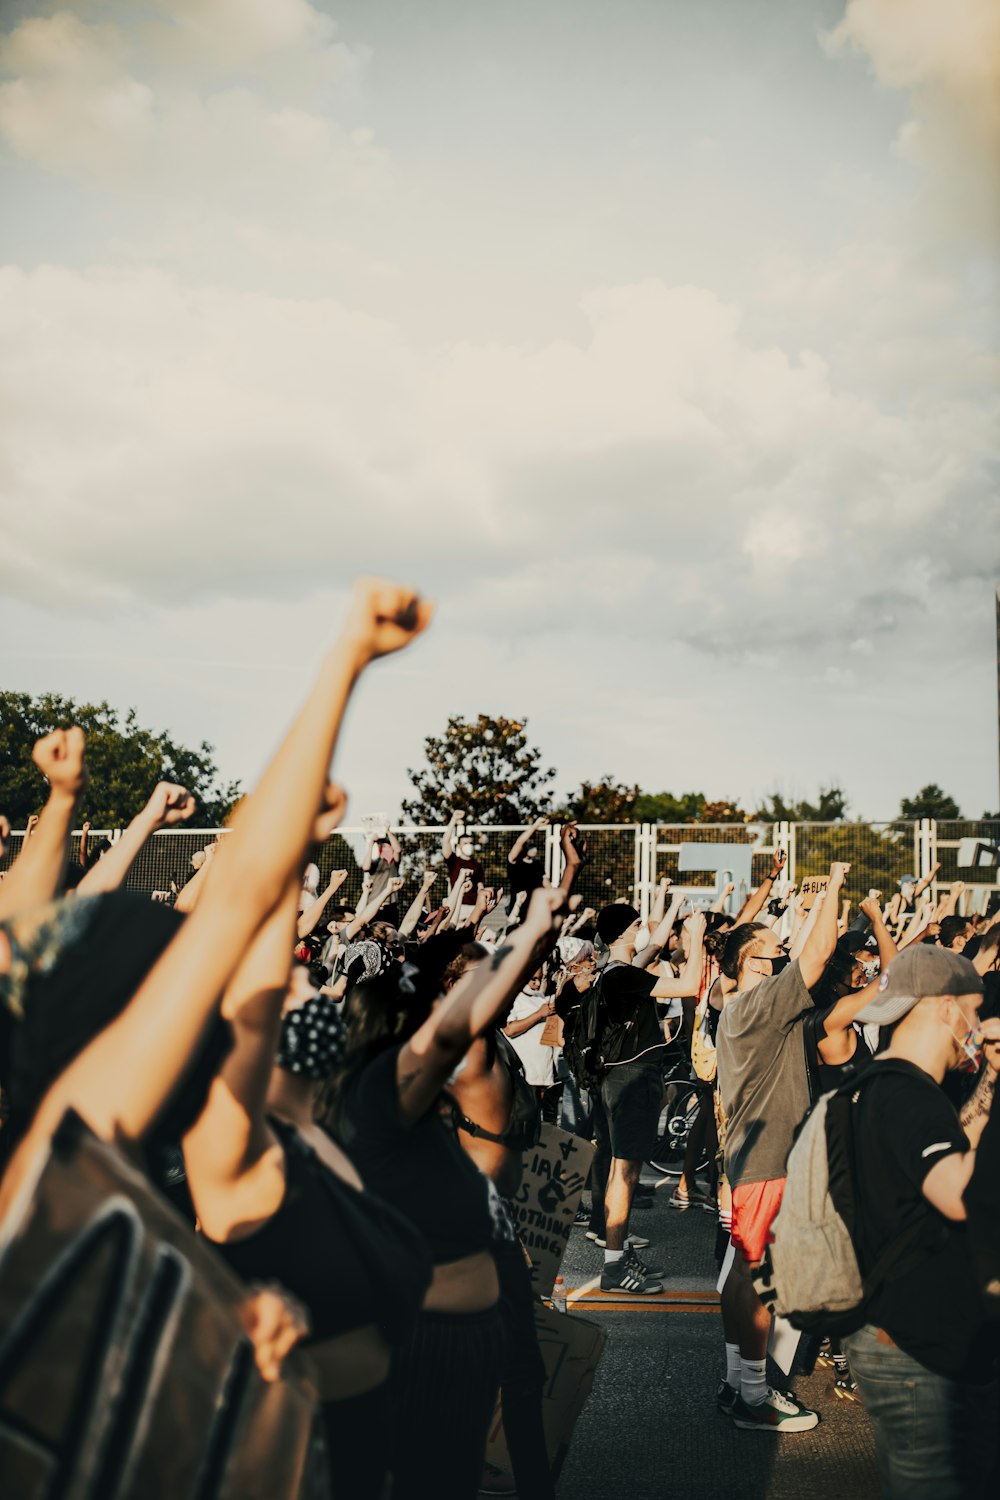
(313, 1039)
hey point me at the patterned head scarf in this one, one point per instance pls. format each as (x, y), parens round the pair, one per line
(313, 1039)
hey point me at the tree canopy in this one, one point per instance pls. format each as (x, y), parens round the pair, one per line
(930, 802)
(484, 767)
(126, 761)
(830, 807)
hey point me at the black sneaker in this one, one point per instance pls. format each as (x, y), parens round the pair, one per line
(725, 1398)
(635, 1260)
(625, 1276)
(845, 1386)
(582, 1215)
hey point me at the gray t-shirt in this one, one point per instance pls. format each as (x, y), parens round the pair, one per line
(762, 1075)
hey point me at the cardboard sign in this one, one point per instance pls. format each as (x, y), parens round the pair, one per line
(552, 1032)
(571, 1347)
(551, 1188)
(810, 888)
(125, 1372)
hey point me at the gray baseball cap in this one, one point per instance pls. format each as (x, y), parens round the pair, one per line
(920, 970)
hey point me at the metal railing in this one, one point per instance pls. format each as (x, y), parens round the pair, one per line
(626, 860)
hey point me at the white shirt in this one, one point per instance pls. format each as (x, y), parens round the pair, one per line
(539, 1062)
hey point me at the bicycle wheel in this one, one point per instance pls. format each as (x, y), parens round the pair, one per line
(676, 1120)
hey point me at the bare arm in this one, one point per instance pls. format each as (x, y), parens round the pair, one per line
(311, 914)
(446, 845)
(230, 1139)
(762, 894)
(946, 1182)
(409, 922)
(688, 981)
(38, 872)
(370, 911)
(84, 845)
(477, 1001)
(817, 949)
(871, 906)
(365, 859)
(522, 841)
(146, 1049)
(169, 805)
(660, 935)
(573, 859)
(921, 885)
(719, 904)
(528, 1023)
(394, 845)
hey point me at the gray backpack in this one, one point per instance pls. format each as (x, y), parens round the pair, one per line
(811, 1273)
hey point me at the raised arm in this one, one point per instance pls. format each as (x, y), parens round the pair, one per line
(409, 922)
(569, 840)
(446, 840)
(146, 1050)
(522, 841)
(821, 939)
(368, 911)
(311, 914)
(476, 1003)
(688, 981)
(660, 935)
(719, 904)
(366, 857)
(871, 906)
(224, 1150)
(84, 845)
(762, 894)
(169, 805)
(38, 872)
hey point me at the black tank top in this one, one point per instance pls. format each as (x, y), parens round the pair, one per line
(525, 1123)
(348, 1256)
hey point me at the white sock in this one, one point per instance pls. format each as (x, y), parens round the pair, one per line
(733, 1368)
(613, 1256)
(753, 1382)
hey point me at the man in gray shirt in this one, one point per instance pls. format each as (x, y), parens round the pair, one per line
(764, 1087)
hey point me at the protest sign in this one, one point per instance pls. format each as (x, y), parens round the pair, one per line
(811, 887)
(551, 1187)
(571, 1348)
(125, 1371)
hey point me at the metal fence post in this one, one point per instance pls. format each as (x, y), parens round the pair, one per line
(553, 854)
(784, 838)
(641, 865)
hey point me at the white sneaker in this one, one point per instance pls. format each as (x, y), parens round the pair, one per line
(776, 1413)
(637, 1241)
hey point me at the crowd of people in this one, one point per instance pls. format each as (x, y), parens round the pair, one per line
(338, 1100)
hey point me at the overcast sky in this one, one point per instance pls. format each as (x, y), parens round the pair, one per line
(657, 341)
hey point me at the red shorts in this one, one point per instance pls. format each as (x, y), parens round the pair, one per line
(754, 1210)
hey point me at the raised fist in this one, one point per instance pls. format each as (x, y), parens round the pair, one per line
(59, 757)
(384, 617)
(331, 812)
(170, 804)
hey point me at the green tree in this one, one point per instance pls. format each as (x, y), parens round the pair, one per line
(125, 760)
(930, 802)
(664, 807)
(484, 767)
(603, 801)
(829, 807)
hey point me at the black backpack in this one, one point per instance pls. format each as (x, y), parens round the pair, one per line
(592, 1042)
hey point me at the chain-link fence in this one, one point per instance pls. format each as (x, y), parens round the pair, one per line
(626, 860)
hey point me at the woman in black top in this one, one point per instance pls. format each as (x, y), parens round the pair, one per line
(403, 1043)
(282, 1202)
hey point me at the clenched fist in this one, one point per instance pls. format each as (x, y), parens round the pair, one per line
(60, 758)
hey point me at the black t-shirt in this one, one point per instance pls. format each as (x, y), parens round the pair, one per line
(525, 875)
(420, 1169)
(931, 1308)
(626, 994)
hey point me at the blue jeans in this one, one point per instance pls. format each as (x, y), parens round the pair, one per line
(935, 1439)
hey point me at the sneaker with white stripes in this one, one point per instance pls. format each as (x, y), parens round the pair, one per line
(628, 1276)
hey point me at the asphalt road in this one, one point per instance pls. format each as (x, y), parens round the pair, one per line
(650, 1429)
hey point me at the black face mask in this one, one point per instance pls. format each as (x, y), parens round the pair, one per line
(778, 962)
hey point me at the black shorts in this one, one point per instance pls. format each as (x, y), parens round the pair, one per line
(631, 1097)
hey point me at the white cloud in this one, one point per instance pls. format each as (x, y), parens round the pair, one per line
(946, 54)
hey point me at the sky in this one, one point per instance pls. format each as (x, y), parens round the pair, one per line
(656, 342)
